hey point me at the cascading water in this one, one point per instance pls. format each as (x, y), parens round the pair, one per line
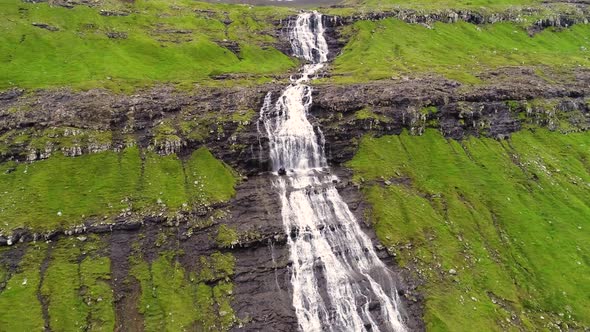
(339, 283)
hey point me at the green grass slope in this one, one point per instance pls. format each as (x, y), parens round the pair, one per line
(391, 48)
(179, 42)
(497, 229)
(62, 191)
(67, 286)
(174, 300)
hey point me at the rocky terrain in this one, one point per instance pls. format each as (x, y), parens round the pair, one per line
(345, 114)
(37, 125)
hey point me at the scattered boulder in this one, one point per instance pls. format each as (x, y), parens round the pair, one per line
(117, 35)
(113, 13)
(45, 26)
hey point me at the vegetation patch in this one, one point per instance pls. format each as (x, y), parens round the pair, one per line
(63, 191)
(227, 237)
(497, 229)
(173, 299)
(391, 48)
(367, 113)
(155, 41)
(20, 309)
(76, 286)
(34, 144)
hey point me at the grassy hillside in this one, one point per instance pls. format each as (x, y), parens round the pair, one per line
(497, 229)
(72, 280)
(181, 42)
(128, 45)
(392, 48)
(61, 191)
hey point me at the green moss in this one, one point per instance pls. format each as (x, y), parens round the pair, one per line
(61, 286)
(218, 266)
(507, 216)
(95, 276)
(166, 302)
(21, 142)
(429, 110)
(223, 295)
(367, 113)
(226, 237)
(20, 309)
(209, 180)
(164, 131)
(171, 301)
(243, 116)
(62, 191)
(391, 48)
(76, 286)
(193, 130)
(163, 182)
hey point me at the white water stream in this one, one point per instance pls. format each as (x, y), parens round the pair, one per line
(339, 283)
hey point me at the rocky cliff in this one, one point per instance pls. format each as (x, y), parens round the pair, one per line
(225, 121)
(232, 252)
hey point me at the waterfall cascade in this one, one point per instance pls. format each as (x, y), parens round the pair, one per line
(339, 283)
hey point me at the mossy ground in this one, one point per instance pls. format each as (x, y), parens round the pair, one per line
(509, 217)
(20, 309)
(391, 48)
(63, 191)
(179, 43)
(71, 279)
(174, 299)
(74, 285)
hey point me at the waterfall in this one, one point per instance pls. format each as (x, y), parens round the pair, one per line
(339, 283)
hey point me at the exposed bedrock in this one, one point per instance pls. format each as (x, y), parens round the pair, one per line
(228, 117)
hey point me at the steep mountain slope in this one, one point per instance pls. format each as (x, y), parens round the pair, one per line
(134, 183)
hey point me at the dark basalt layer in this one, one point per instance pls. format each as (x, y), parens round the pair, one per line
(491, 110)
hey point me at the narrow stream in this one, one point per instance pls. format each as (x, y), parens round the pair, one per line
(339, 283)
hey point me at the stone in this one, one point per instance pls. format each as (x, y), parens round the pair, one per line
(45, 26)
(117, 35)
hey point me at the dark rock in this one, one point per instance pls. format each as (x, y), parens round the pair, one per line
(282, 171)
(11, 94)
(113, 13)
(45, 26)
(175, 31)
(117, 35)
(231, 45)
